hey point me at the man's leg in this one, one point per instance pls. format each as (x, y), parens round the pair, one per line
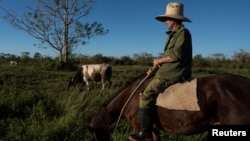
(146, 105)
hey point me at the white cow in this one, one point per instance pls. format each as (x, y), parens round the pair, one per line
(13, 63)
(92, 72)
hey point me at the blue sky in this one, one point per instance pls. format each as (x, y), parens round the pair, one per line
(218, 26)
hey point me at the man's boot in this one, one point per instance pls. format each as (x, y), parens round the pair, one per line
(146, 123)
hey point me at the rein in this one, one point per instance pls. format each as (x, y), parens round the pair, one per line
(153, 69)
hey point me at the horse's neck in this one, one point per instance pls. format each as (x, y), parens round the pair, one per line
(125, 97)
(117, 104)
(107, 115)
(111, 111)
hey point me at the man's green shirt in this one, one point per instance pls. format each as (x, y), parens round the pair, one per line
(179, 48)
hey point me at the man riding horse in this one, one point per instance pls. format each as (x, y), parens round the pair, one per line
(175, 63)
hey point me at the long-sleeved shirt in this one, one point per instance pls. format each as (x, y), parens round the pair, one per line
(179, 48)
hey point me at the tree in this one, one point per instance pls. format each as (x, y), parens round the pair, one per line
(126, 60)
(242, 56)
(37, 56)
(199, 61)
(25, 55)
(56, 24)
(144, 58)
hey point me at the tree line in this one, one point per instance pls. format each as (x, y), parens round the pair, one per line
(239, 60)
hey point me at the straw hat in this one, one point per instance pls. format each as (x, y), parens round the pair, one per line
(173, 10)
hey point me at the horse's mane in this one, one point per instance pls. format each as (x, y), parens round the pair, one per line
(122, 88)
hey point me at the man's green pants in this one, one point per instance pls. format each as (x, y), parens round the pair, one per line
(149, 95)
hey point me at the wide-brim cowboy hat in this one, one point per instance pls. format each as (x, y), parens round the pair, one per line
(174, 10)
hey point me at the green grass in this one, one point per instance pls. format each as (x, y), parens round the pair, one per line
(35, 104)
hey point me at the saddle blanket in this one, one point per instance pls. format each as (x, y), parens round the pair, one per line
(180, 96)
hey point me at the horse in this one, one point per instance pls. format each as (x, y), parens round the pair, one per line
(223, 100)
(92, 72)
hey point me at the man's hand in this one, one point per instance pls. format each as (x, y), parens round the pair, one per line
(152, 70)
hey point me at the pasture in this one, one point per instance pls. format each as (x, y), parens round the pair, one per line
(36, 105)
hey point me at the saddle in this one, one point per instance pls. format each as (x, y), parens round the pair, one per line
(180, 96)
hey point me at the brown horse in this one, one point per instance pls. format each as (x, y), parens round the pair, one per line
(222, 98)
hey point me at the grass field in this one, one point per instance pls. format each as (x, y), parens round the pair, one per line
(35, 104)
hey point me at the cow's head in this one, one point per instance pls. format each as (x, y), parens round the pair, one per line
(76, 79)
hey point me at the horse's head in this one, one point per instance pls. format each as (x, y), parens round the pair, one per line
(99, 126)
(96, 134)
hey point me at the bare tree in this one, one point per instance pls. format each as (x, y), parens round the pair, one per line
(57, 24)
